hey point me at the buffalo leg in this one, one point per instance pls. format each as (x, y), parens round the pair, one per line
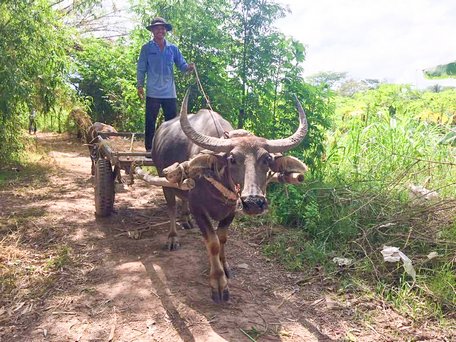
(217, 278)
(222, 231)
(173, 240)
(117, 174)
(186, 222)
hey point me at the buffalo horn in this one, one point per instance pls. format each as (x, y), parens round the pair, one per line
(205, 141)
(282, 145)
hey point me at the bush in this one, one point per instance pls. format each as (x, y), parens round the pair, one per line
(371, 191)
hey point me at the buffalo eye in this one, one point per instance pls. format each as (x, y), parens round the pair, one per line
(267, 159)
(231, 159)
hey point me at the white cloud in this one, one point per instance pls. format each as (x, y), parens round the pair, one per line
(388, 39)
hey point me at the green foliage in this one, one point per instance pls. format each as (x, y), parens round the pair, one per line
(360, 199)
(443, 283)
(441, 71)
(313, 209)
(371, 146)
(245, 66)
(319, 107)
(34, 67)
(295, 251)
(61, 259)
(105, 75)
(410, 300)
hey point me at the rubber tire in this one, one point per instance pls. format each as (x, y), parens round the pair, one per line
(104, 188)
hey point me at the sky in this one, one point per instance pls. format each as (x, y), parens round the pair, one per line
(389, 40)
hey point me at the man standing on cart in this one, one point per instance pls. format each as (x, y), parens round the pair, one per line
(155, 64)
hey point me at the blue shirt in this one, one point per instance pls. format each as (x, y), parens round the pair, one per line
(158, 66)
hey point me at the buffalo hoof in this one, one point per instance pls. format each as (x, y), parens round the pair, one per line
(173, 244)
(220, 297)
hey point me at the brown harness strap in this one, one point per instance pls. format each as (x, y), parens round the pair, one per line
(227, 193)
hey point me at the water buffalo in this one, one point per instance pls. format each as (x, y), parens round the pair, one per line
(234, 172)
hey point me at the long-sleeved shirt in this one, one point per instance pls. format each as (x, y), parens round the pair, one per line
(158, 66)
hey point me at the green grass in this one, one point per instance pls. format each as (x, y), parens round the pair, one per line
(61, 258)
(32, 168)
(324, 224)
(296, 252)
(410, 300)
(360, 200)
(442, 284)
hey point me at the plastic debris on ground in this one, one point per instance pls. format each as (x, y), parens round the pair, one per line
(393, 254)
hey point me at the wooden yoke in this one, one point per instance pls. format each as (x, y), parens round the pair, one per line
(192, 168)
(290, 170)
(186, 184)
(176, 173)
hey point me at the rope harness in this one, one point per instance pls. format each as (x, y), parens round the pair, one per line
(216, 122)
(229, 195)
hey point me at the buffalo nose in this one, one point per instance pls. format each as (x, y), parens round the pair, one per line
(254, 205)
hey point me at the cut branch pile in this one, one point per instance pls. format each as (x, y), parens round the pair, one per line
(82, 122)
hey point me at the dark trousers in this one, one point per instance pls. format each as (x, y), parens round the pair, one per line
(32, 126)
(169, 107)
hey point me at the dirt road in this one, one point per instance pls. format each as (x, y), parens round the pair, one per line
(111, 287)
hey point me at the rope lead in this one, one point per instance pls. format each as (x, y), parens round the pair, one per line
(216, 122)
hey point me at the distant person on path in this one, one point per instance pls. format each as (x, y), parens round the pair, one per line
(155, 63)
(32, 121)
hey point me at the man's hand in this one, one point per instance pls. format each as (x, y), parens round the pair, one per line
(141, 93)
(191, 67)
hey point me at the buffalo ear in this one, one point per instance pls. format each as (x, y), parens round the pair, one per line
(287, 164)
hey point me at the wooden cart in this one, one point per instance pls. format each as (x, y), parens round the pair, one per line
(109, 161)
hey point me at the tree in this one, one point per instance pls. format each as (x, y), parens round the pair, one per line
(330, 78)
(34, 60)
(105, 75)
(255, 59)
(441, 71)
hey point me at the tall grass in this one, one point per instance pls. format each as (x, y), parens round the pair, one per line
(372, 150)
(379, 150)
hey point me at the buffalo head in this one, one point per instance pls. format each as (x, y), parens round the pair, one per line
(246, 158)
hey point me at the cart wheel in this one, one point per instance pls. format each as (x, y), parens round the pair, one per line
(104, 188)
